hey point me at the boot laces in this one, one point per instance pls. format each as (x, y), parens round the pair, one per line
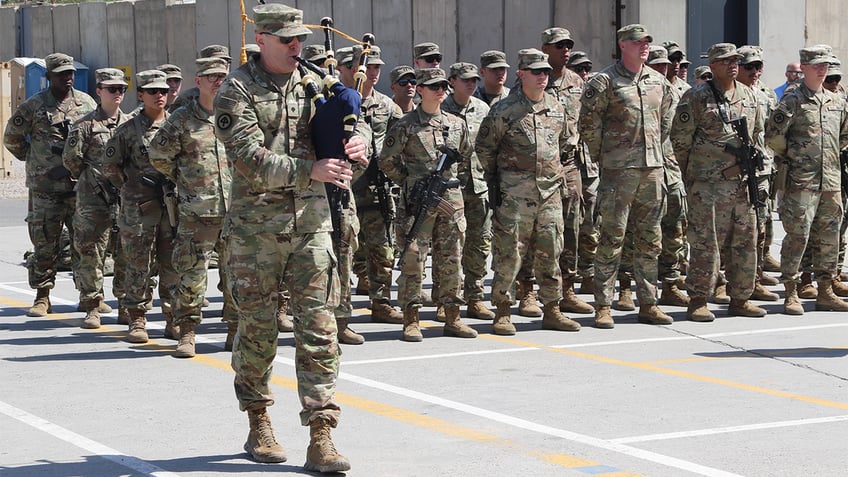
(265, 433)
(323, 439)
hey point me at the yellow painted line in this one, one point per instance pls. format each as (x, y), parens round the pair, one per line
(674, 372)
(748, 354)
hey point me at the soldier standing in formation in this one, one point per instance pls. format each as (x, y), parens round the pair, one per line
(402, 80)
(493, 67)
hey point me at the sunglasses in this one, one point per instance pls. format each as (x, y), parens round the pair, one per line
(155, 91)
(796, 73)
(564, 44)
(833, 79)
(437, 86)
(706, 76)
(214, 78)
(115, 89)
(753, 66)
(287, 39)
(583, 69)
(432, 58)
(540, 71)
(407, 81)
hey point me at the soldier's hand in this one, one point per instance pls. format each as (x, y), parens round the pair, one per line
(333, 171)
(356, 150)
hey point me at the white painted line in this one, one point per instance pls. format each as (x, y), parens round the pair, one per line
(436, 356)
(132, 463)
(723, 430)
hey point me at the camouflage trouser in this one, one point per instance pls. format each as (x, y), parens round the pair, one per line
(571, 218)
(376, 255)
(811, 220)
(197, 238)
(478, 244)
(517, 225)
(721, 220)
(673, 226)
(635, 197)
(92, 233)
(446, 235)
(147, 238)
(256, 265)
(344, 251)
(842, 228)
(48, 213)
(587, 241)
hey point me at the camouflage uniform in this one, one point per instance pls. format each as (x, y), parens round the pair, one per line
(35, 134)
(97, 204)
(277, 230)
(478, 214)
(186, 151)
(480, 93)
(624, 121)
(674, 220)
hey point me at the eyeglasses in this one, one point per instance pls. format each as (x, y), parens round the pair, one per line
(564, 44)
(155, 91)
(407, 81)
(706, 76)
(582, 69)
(795, 73)
(286, 39)
(174, 80)
(728, 61)
(216, 77)
(432, 58)
(115, 89)
(540, 71)
(753, 66)
(437, 86)
(675, 59)
(833, 79)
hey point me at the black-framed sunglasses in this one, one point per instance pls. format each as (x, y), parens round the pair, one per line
(539, 71)
(115, 89)
(287, 39)
(833, 79)
(706, 76)
(437, 86)
(583, 68)
(432, 58)
(753, 66)
(564, 44)
(155, 91)
(407, 81)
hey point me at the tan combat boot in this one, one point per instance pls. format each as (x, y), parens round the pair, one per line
(791, 303)
(92, 314)
(383, 312)
(232, 329)
(411, 330)
(284, 323)
(625, 296)
(321, 455)
(503, 321)
(698, 311)
(440, 314)
(767, 279)
(454, 325)
(123, 315)
(763, 294)
(672, 295)
(347, 335)
(572, 303)
(363, 285)
(41, 306)
(720, 294)
(652, 315)
(102, 307)
(770, 264)
(477, 309)
(740, 307)
(603, 318)
(137, 333)
(827, 300)
(806, 289)
(261, 443)
(527, 304)
(185, 348)
(587, 286)
(839, 288)
(553, 319)
(172, 331)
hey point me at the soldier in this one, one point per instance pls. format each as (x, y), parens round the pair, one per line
(426, 55)
(683, 71)
(703, 73)
(793, 74)
(278, 229)
(36, 133)
(315, 54)
(174, 78)
(567, 86)
(475, 193)
(412, 151)
(579, 62)
(403, 87)
(211, 51)
(97, 201)
(722, 217)
(832, 84)
(676, 56)
(186, 151)
(146, 232)
(520, 145)
(493, 69)
(376, 260)
(808, 129)
(626, 114)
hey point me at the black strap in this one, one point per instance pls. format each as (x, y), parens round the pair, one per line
(720, 102)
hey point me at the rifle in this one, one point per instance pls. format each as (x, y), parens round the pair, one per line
(427, 193)
(382, 188)
(750, 160)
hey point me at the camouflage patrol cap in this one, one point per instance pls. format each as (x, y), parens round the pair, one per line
(835, 67)
(699, 71)
(314, 53)
(685, 63)
(633, 32)
(344, 55)
(426, 49)
(216, 51)
(252, 48)
(59, 62)
(110, 77)
(750, 54)
(426, 76)
(399, 72)
(493, 59)
(723, 51)
(373, 55)
(151, 79)
(533, 59)
(211, 66)
(279, 20)
(556, 34)
(464, 70)
(578, 58)
(657, 55)
(815, 55)
(171, 71)
(673, 48)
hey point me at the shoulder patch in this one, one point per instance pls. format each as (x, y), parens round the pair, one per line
(684, 117)
(484, 131)
(18, 121)
(224, 121)
(589, 92)
(110, 151)
(390, 141)
(72, 141)
(163, 139)
(779, 117)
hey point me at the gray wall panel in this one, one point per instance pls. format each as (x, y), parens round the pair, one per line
(436, 21)
(392, 26)
(66, 30)
(781, 36)
(525, 22)
(235, 28)
(481, 27)
(9, 38)
(93, 41)
(592, 27)
(39, 42)
(150, 34)
(352, 17)
(213, 25)
(182, 49)
(120, 31)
